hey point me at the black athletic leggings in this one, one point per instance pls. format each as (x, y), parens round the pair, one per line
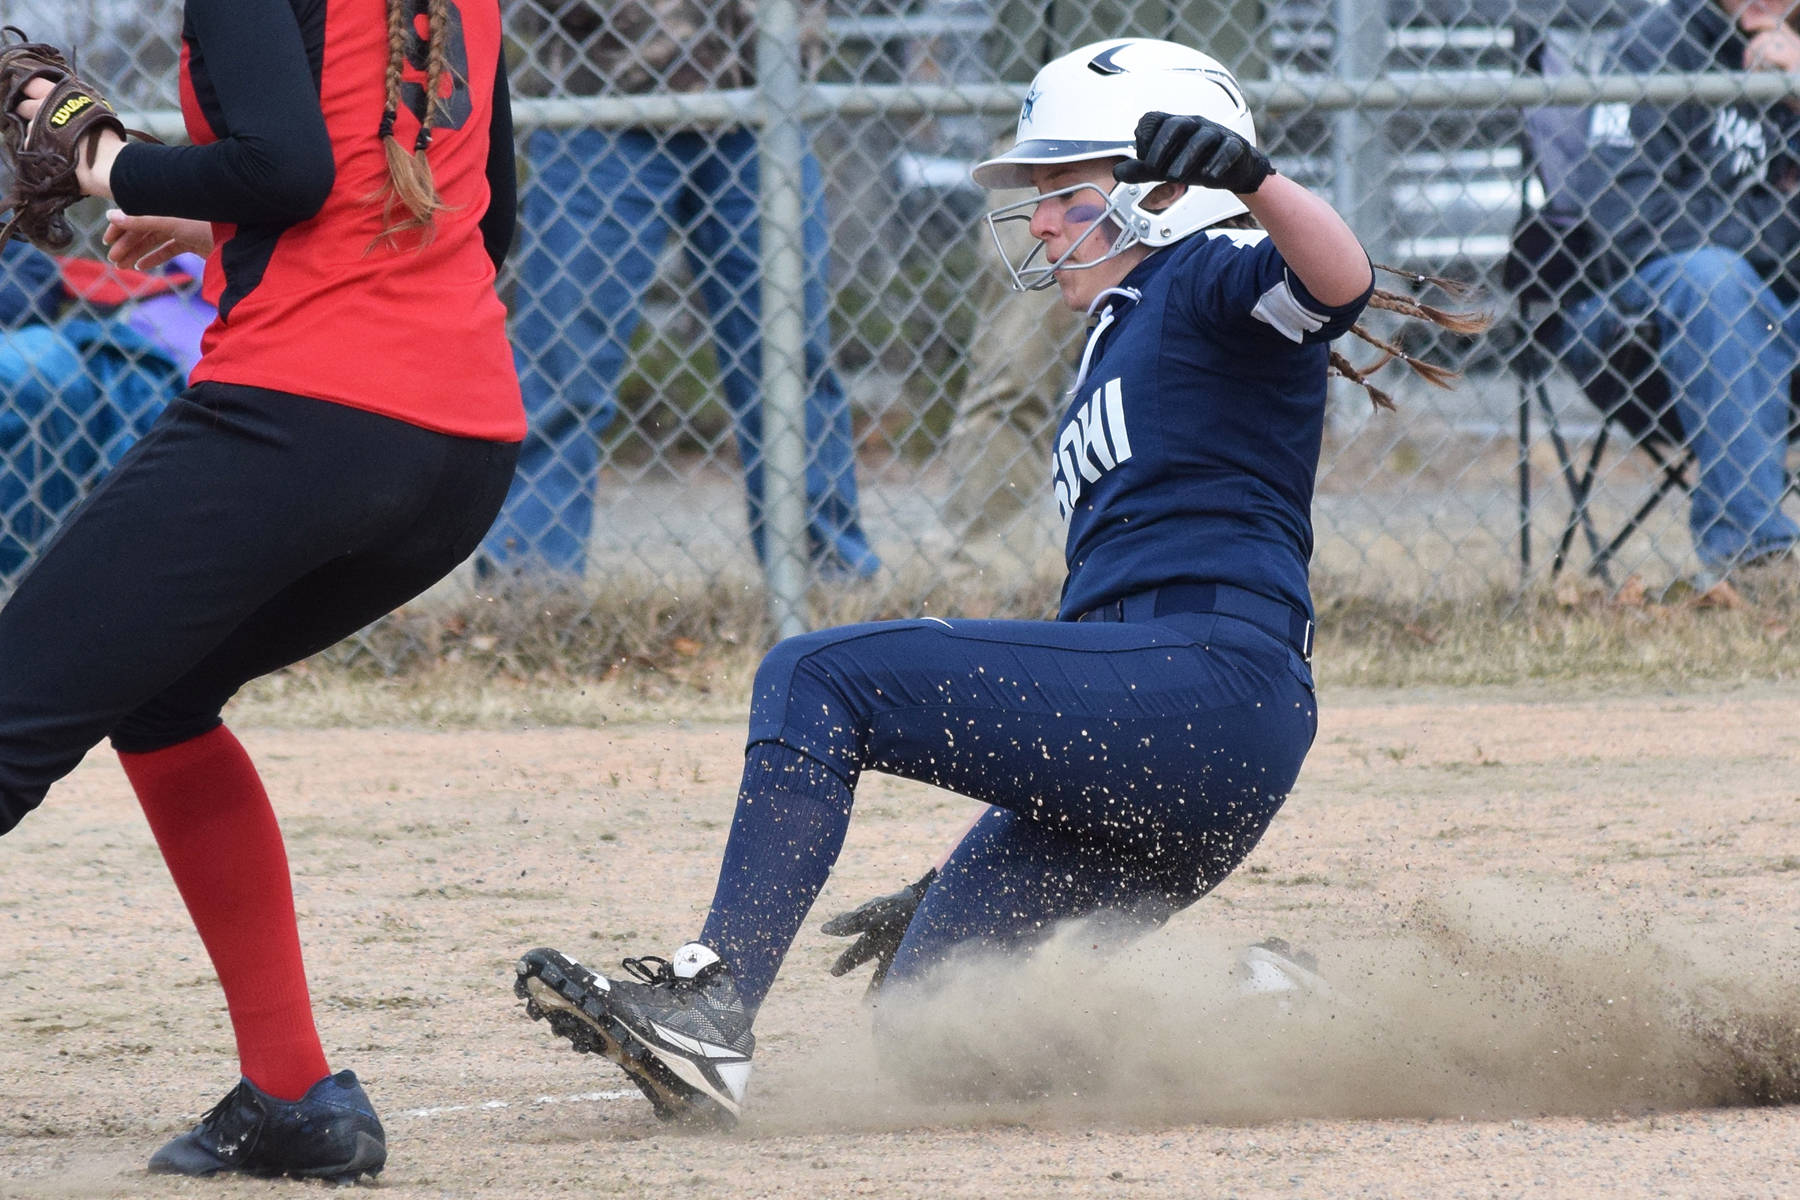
(247, 530)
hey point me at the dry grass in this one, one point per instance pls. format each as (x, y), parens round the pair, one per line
(649, 651)
(1731, 634)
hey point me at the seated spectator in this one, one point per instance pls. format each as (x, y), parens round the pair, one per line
(89, 355)
(30, 286)
(1697, 203)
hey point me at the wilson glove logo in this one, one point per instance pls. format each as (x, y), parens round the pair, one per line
(1093, 442)
(68, 109)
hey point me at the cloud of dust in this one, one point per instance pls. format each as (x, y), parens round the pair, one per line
(1487, 1003)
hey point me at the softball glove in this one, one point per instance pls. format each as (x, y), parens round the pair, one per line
(40, 152)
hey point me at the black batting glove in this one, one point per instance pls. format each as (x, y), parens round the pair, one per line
(878, 926)
(1196, 151)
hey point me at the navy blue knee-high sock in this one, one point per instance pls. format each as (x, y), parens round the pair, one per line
(792, 813)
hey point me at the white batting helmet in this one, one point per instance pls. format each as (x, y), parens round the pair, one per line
(1086, 105)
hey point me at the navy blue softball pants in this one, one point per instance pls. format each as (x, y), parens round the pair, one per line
(1130, 766)
(247, 530)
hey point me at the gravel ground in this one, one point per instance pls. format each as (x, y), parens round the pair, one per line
(1560, 933)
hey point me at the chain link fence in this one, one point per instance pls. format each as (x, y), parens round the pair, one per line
(761, 333)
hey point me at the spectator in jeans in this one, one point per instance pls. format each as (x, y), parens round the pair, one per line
(1698, 201)
(597, 211)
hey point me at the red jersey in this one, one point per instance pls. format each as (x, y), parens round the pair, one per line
(410, 328)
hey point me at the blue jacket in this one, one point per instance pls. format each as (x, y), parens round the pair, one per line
(73, 397)
(30, 285)
(1660, 180)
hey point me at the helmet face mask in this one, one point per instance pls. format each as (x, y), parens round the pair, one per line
(1116, 217)
(1086, 105)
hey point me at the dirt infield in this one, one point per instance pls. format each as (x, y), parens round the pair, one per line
(1562, 934)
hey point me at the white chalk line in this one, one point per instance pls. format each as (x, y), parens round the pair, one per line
(490, 1105)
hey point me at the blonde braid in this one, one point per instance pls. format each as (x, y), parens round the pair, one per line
(1455, 322)
(396, 63)
(437, 65)
(410, 182)
(1443, 377)
(1342, 366)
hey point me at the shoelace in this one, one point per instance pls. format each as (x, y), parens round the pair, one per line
(218, 1110)
(661, 975)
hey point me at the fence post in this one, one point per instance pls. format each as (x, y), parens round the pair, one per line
(1359, 159)
(781, 147)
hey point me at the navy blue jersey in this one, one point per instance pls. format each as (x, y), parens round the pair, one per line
(1190, 445)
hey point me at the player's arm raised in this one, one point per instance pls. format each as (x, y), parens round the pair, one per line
(1318, 245)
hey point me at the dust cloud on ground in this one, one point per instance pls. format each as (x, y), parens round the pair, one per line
(1489, 1002)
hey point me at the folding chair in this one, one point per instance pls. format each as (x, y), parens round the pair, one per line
(1554, 262)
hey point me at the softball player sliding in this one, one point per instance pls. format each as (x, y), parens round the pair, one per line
(1134, 749)
(323, 467)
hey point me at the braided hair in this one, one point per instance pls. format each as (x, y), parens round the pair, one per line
(410, 185)
(1463, 322)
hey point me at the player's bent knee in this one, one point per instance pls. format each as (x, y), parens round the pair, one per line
(805, 654)
(148, 732)
(1723, 279)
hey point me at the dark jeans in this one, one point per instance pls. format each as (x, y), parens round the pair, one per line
(599, 209)
(1728, 344)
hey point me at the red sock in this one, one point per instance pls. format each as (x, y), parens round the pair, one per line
(215, 828)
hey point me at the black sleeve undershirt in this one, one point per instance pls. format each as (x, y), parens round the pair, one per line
(498, 222)
(273, 161)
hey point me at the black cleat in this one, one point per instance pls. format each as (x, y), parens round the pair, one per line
(681, 1034)
(331, 1133)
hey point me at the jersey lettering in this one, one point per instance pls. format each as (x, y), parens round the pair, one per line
(1742, 139)
(1093, 442)
(1092, 455)
(455, 108)
(1610, 125)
